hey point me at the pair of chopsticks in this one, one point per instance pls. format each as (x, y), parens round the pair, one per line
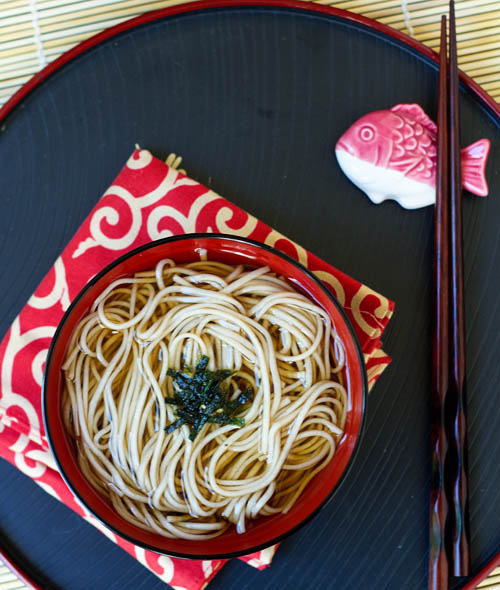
(449, 529)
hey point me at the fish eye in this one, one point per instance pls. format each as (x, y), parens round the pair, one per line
(366, 133)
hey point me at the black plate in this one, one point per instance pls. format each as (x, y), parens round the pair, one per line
(254, 98)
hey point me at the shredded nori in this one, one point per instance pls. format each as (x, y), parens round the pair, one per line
(200, 399)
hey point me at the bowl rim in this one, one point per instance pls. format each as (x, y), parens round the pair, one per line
(236, 239)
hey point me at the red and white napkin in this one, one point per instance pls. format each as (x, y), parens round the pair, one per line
(148, 200)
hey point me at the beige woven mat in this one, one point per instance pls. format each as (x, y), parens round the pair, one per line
(8, 580)
(492, 582)
(34, 32)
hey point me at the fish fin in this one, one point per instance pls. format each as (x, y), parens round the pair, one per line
(416, 112)
(473, 160)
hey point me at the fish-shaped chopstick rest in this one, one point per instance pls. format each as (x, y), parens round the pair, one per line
(391, 154)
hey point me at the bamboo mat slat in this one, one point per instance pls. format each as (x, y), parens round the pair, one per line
(35, 32)
(492, 582)
(8, 580)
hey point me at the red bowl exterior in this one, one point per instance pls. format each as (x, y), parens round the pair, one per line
(264, 531)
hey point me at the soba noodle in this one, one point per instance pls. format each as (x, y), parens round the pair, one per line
(275, 341)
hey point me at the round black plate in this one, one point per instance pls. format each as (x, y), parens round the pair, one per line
(254, 99)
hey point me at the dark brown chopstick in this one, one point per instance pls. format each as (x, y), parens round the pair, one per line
(449, 530)
(456, 467)
(438, 503)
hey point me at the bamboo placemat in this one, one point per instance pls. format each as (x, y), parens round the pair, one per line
(8, 580)
(35, 32)
(492, 582)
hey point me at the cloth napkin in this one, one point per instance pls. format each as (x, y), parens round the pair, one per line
(148, 200)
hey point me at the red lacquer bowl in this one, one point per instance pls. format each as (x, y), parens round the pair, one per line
(264, 531)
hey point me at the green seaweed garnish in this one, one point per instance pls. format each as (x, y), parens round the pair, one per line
(200, 399)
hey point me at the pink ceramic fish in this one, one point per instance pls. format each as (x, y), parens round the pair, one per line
(392, 155)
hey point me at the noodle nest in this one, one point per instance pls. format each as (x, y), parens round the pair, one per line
(274, 342)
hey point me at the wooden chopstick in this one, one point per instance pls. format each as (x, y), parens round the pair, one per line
(438, 502)
(456, 467)
(449, 528)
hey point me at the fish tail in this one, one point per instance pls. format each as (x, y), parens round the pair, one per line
(473, 160)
